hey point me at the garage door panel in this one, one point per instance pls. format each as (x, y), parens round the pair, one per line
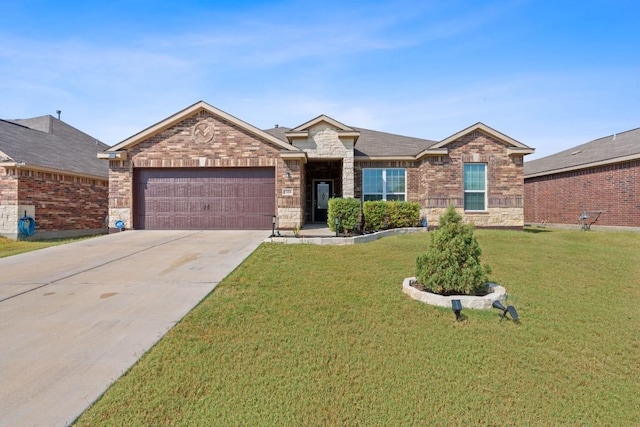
(234, 198)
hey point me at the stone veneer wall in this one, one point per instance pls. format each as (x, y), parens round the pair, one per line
(61, 204)
(9, 208)
(290, 208)
(176, 147)
(561, 198)
(441, 181)
(324, 143)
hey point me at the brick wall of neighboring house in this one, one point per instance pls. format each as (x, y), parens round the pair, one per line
(8, 186)
(176, 147)
(441, 181)
(64, 202)
(561, 198)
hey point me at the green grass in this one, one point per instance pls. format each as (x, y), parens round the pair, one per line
(10, 247)
(310, 335)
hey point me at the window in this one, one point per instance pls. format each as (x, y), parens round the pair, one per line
(384, 184)
(475, 186)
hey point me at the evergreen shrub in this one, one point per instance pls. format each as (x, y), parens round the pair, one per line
(451, 263)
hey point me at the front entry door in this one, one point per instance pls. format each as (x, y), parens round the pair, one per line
(322, 192)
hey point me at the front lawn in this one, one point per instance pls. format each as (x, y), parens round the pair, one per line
(10, 247)
(305, 335)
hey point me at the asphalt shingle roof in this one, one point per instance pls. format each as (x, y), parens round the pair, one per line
(608, 148)
(51, 143)
(375, 144)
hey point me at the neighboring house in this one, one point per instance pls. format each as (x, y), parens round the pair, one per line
(202, 168)
(49, 171)
(599, 176)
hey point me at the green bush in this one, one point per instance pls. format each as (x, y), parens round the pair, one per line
(346, 210)
(382, 215)
(451, 264)
(403, 214)
(375, 215)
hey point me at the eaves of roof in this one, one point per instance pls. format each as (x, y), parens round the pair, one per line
(57, 148)
(621, 147)
(187, 112)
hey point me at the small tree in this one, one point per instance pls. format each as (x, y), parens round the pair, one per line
(451, 264)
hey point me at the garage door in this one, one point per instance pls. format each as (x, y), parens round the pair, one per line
(204, 199)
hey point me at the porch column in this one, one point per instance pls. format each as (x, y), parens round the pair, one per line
(348, 186)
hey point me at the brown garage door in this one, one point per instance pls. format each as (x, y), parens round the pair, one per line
(204, 199)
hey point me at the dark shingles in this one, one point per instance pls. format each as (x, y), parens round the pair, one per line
(48, 142)
(604, 149)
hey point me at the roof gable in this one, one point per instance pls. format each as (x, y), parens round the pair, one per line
(343, 130)
(486, 129)
(514, 147)
(322, 118)
(188, 112)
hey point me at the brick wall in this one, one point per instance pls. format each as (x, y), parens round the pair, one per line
(442, 177)
(436, 182)
(8, 186)
(61, 204)
(414, 193)
(64, 202)
(177, 147)
(560, 198)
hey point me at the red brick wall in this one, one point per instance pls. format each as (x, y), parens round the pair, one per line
(64, 202)
(437, 182)
(441, 179)
(231, 146)
(413, 176)
(8, 187)
(560, 198)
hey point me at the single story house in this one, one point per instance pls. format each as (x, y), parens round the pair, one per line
(601, 177)
(49, 172)
(202, 168)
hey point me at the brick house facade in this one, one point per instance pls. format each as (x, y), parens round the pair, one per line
(287, 175)
(600, 176)
(49, 171)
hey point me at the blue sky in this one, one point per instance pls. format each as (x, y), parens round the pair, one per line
(551, 74)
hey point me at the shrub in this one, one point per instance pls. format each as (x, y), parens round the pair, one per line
(375, 215)
(451, 264)
(346, 210)
(403, 214)
(381, 215)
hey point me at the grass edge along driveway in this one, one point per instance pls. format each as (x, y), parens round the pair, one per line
(317, 335)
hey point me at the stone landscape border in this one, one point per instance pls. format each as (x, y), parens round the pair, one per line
(341, 241)
(497, 293)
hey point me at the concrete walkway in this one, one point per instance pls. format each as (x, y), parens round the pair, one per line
(74, 318)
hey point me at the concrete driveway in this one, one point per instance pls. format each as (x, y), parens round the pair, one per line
(74, 318)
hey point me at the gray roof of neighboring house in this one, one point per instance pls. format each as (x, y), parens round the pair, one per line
(51, 143)
(610, 149)
(375, 144)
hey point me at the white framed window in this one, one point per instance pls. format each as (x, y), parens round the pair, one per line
(384, 184)
(475, 186)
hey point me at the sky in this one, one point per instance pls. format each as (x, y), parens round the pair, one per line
(550, 74)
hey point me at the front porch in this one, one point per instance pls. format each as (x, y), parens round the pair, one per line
(323, 180)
